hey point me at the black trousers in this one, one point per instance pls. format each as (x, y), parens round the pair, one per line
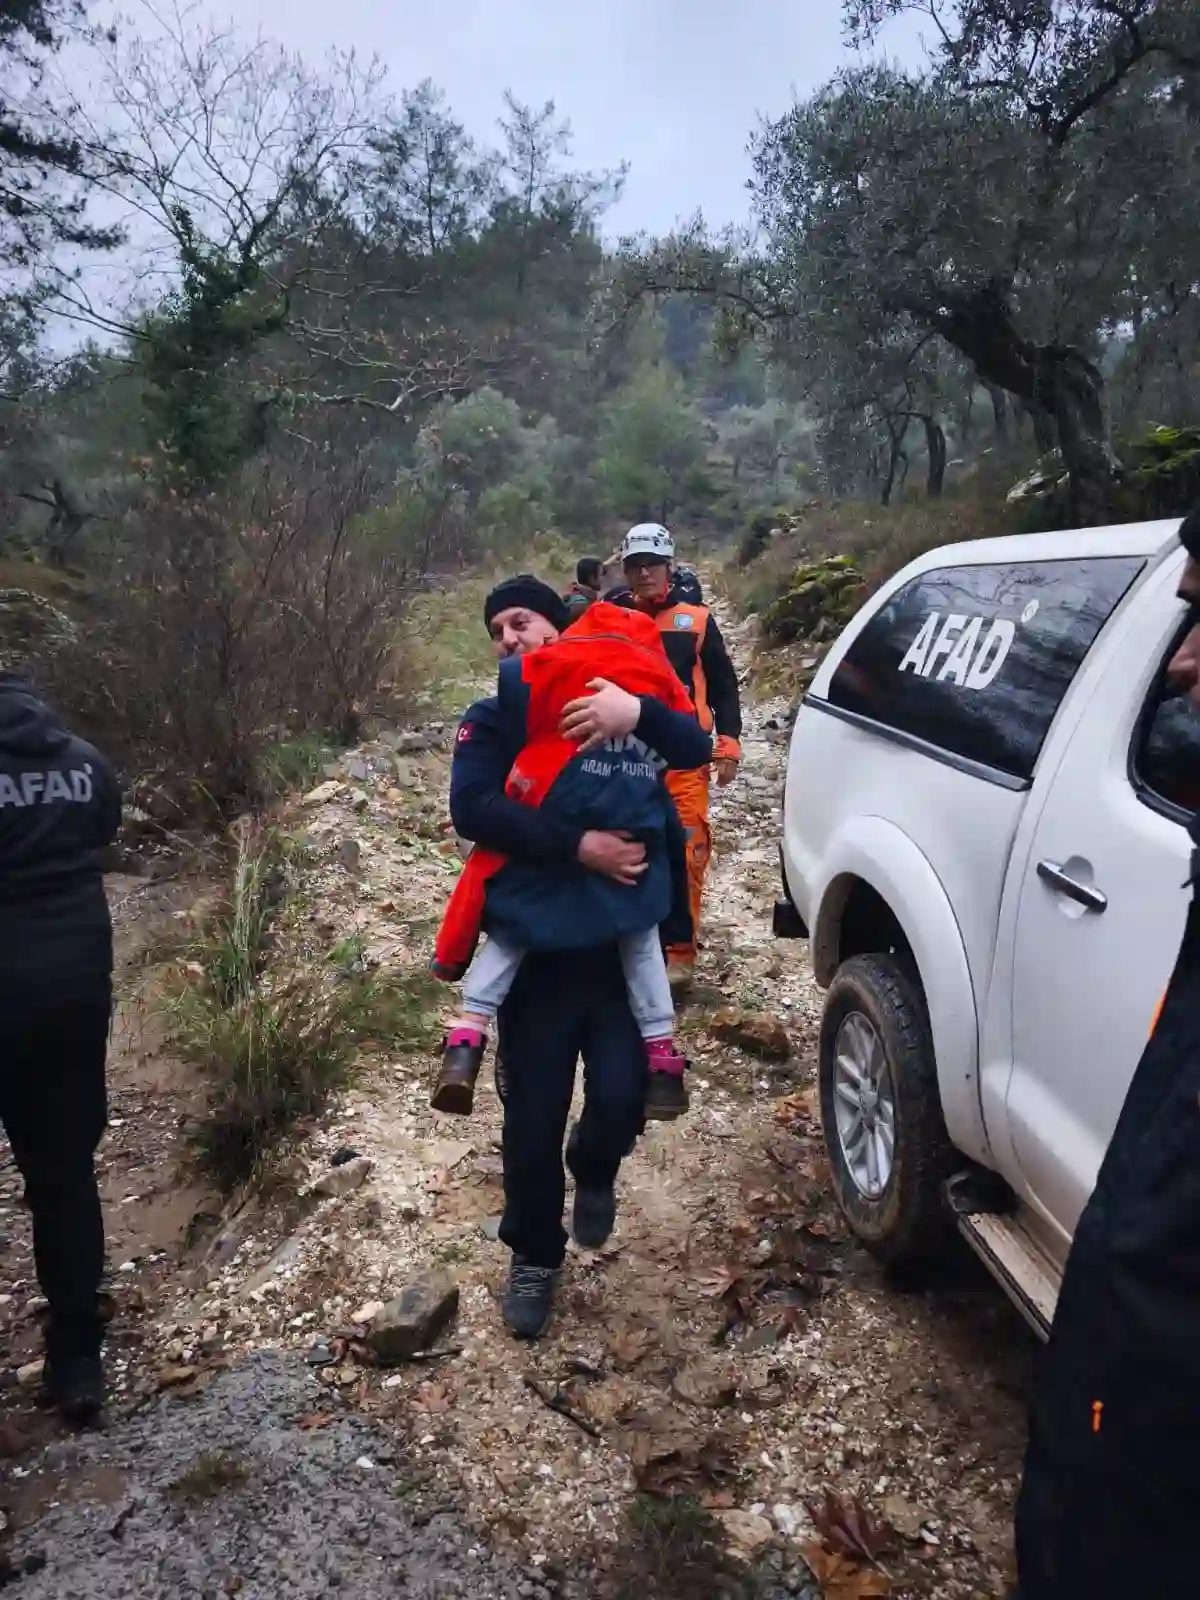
(53, 1105)
(564, 1005)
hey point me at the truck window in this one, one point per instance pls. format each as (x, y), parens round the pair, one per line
(975, 660)
(1166, 756)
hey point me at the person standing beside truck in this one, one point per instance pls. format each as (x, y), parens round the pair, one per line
(697, 651)
(1109, 1485)
(59, 808)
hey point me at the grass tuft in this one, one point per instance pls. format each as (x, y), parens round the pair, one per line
(210, 1475)
(272, 1031)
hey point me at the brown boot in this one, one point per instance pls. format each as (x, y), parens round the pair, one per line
(454, 1091)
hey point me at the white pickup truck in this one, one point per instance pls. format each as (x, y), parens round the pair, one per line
(985, 841)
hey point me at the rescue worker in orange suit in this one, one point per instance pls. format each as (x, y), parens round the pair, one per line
(697, 651)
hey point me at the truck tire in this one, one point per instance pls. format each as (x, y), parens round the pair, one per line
(875, 1022)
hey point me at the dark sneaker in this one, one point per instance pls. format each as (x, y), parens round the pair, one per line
(528, 1298)
(594, 1215)
(666, 1096)
(75, 1386)
(454, 1090)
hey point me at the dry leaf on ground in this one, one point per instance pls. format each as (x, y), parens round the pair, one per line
(847, 1526)
(842, 1578)
(433, 1397)
(629, 1346)
(671, 1456)
(609, 1401)
(705, 1383)
(721, 1282)
(315, 1419)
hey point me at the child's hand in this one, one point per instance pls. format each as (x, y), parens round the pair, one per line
(608, 713)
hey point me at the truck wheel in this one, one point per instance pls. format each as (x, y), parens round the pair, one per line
(881, 1111)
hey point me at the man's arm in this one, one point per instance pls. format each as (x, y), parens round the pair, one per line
(674, 735)
(723, 695)
(479, 807)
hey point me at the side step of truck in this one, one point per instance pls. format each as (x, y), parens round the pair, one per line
(984, 1210)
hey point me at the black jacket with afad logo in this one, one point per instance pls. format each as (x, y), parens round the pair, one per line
(1107, 1505)
(59, 807)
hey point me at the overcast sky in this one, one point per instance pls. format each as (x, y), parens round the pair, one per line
(674, 87)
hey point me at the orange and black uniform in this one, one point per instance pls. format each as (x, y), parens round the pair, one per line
(697, 651)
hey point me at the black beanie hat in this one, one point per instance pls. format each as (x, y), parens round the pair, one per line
(530, 592)
(1189, 533)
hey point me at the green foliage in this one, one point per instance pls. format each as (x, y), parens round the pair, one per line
(822, 596)
(652, 443)
(294, 762)
(43, 171)
(510, 516)
(193, 355)
(473, 444)
(674, 1549)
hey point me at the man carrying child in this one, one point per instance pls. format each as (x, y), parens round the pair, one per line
(580, 874)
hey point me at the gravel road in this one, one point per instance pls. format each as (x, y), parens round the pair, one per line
(229, 1494)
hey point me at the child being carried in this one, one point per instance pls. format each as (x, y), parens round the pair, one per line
(524, 906)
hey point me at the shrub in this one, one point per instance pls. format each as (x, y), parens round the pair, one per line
(229, 635)
(823, 596)
(272, 1032)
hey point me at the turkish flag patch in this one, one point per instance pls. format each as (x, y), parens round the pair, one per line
(464, 733)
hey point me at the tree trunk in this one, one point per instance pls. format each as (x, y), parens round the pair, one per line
(935, 446)
(897, 462)
(1077, 387)
(1059, 380)
(966, 420)
(999, 412)
(1045, 435)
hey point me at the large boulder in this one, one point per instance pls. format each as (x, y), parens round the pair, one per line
(826, 591)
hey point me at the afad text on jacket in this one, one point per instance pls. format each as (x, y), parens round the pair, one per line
(59, 807)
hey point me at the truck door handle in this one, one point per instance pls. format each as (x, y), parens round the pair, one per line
(1084, 894)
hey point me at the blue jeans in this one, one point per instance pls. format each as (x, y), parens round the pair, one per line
(564, 1004)
(490, 977)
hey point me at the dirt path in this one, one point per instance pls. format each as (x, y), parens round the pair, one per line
(729, 1345)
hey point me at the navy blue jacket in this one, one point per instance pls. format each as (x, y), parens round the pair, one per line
(59, 807)
(543, 899)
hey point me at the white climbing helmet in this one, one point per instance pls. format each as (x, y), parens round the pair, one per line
(648, 539)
